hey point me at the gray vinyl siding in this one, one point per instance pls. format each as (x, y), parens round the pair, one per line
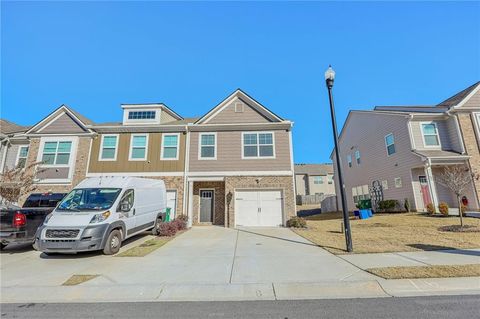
(63, 124)
(11, 158)
(229, 154)
(474, 101)
(54, 173)
(228, 115)
(366, 131)
(453, 133)
(447, 131)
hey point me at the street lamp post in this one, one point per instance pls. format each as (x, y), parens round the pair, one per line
(329, 77)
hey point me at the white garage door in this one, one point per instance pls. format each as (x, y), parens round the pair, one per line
(172, 202)
(258, 208)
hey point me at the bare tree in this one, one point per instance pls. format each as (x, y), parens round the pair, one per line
(16, 182)
(457, 178)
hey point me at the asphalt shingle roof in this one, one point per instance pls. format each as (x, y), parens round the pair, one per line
(457, 98)
(7, 127)
(314, 169)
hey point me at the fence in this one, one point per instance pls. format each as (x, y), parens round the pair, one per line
(329, 204)
(310, 199)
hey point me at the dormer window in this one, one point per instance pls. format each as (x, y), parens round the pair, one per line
(141, 115)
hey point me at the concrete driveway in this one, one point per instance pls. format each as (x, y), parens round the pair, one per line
(202, 255)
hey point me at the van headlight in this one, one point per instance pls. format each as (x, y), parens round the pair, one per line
(100, 217)
(47, 218)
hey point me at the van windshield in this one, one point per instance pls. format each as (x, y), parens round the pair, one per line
(82, 199)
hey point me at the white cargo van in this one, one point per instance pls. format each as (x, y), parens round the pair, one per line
(100, 213)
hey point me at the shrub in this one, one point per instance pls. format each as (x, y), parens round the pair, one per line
(167, 229)
(431, 209)
(179, 224)
(297, 222)
(406, 205)
(388, 205)
(183, 218)
(443, 208)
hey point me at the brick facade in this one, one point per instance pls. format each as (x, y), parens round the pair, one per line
(80, 167)
(219, 202)
(285, 183)
(173, 183)
(467, 127)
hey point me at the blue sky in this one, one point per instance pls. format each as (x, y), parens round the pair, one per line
(93, 56)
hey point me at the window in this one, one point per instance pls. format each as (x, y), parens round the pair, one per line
(330, 179)
(430, 134)
(22, 156)
(109, 148)
(126, 200)
(170, 146)
(398, 182)
(357, 157)
(141, 115)
(349, 160)
(56, 153)
(385, 184)
(138, 147)
(360, 193)
(390, 143)
(318, 180)
(208, 145)
(258, 145)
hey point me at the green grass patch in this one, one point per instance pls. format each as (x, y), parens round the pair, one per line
(145, 248)
(78, 279)
(435, 271)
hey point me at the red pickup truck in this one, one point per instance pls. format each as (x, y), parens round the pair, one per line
(20, 225)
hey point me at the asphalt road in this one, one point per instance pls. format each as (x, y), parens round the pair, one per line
(416, 307)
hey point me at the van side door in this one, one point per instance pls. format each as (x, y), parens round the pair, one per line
(127, 212)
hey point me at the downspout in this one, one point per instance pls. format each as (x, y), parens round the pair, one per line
(186, 198)
(292, 168)
(4, 155)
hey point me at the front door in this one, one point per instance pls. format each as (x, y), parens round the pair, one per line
(206, 206)
(425, 190)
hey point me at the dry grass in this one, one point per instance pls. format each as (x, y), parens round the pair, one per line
(78, 279)
(438, 271)
(145, 248)
(390, 233)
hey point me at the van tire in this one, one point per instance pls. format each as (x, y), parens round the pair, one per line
(113, 243)
(155, 231)
(2, 245)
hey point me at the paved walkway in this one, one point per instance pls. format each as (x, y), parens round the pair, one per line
(215, 263)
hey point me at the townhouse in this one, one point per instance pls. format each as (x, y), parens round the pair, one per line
(403, 149)
(311, 179)
(232, 167)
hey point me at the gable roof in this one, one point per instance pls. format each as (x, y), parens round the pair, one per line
(238, 93)
(7, 127)
(313, 169)
(81, 120)
(458, 98)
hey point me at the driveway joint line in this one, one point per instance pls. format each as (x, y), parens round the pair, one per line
(274, 292)
(413, 259)
(234, 256)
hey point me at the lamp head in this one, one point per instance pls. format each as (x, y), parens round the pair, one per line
(329, 77)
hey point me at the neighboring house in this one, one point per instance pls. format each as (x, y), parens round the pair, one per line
(233, 166)
(14, 146)
(405, 148)
(311, 179)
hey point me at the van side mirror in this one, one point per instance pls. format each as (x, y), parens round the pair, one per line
(125, 207)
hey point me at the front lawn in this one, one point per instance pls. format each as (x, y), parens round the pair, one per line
(435, 271)
(391, 233)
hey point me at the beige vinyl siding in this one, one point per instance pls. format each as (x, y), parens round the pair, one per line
(453, 133)
(474, 101)
(165, 117)
(151, 164)
(324, 188)
(300, 184)
(366, 131)
(63, 124)
(443, 132)
(228, 115)
(11, 156)
(229, 154)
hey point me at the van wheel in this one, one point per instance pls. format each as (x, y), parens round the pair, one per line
(114, 242)
(2, 245)
(155, 231)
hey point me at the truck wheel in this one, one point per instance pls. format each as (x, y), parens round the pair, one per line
(2, 245)
(155, 227)
(114, 241)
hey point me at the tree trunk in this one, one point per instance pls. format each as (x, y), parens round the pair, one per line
(460, 210)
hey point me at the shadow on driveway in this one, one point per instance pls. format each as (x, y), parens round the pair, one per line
(276, 237)
(445, 249)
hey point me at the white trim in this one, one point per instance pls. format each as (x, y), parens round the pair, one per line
(258, 145)
(200, 146)
(71, 160)
(412, 139)
(242, 173)
(185, 172)
(131, 147)
(476, 123)
(460, 135)
(51, 121)
(190, 204)
(100, 153)
(50, 181)
(66, 110)
(386, 145)
(156, 120)
(89, 156)
(437, 134)
(173, 190)
(163, 143)
(18, 153)
(136, 174)
(200, 201)
(292, 168)
(206, 179)
(462, 102)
